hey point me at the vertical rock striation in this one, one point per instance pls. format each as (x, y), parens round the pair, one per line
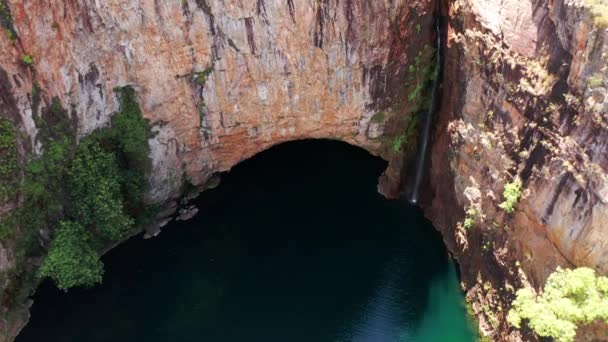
(219, 80)
(524, 97)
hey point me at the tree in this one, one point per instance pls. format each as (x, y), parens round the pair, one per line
(94, 190)
(71, 260)
(569, 298)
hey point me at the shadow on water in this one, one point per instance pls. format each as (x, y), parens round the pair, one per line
(295, 245)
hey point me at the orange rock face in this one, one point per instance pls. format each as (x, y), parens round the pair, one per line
(525, 87)
(280, 71)
(524, 96)
(219, 80)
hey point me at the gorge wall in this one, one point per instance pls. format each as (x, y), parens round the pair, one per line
(523, 95)
(218, 81)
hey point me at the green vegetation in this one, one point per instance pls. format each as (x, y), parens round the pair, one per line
(71, 260)
(55, 125)
(379, 117)
(90, 195)
(569, 298)
(27, 60)
(599, 11)
(8, 159)
(6, 21)
(420, 75)
(93, 185)
(469, 220)
(399, 142)
(200, 77)
(512, 193)
(596, 79)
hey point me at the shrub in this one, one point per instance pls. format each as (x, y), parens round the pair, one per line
(569, 298)
(27, 60)
(399, 141)
(71, 260)
(97, 186)
(596, 79)
(511, 193)
(44, 186)
(469, 220)
(599, 11)
(200, 77)
(93, 183)
(127, 138)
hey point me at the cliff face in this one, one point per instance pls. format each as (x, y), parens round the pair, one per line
(524, 97)
(271, 71)
(218, 80)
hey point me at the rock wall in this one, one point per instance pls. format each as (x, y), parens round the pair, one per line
(218, 80)
(524, 97)
(277, 71)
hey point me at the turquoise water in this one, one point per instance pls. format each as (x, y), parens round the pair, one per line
(295, 245)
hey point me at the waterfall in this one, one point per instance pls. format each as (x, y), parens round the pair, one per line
(425, 133)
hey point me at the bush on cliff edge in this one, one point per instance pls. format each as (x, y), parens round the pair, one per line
(569, 298)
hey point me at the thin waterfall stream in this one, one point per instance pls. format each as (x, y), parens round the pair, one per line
(428, 118)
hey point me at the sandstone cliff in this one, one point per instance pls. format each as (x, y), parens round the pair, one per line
(523, 96)
(219, 81)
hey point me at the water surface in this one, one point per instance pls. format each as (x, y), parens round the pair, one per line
(295, 245)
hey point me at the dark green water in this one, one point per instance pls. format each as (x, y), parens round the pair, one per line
(295, 245)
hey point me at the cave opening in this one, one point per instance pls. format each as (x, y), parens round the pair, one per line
(294, 245)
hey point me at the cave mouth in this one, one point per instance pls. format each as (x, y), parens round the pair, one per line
(294, 245)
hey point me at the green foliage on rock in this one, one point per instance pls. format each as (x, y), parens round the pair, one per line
(93, 185)
(6, 21)
(71, 261)
(511, 193)
(421, 73)
(127, 138)
(379, 117)
(55, 124)
(599, 11)
(97, 186)
(44, 186)
(8, 159)
(27, 60)
(569, 298)
(469, 220)
(399, 142)
(200, 77)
